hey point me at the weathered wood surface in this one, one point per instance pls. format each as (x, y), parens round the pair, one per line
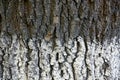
(59, 40)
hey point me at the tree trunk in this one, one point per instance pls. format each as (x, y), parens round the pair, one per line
(59, 40)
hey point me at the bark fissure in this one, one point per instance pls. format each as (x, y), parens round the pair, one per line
(85, 59)
(1, 62)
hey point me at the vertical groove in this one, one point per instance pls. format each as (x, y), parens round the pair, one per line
(1, 62)
(38, 58)
(85, 59)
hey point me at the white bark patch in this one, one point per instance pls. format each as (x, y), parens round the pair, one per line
(40, 61)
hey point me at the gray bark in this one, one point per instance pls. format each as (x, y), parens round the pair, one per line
(59, 40)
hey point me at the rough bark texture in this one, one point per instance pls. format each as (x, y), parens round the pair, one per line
(59, 40)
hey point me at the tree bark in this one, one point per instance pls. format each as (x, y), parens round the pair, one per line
(59, 40)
